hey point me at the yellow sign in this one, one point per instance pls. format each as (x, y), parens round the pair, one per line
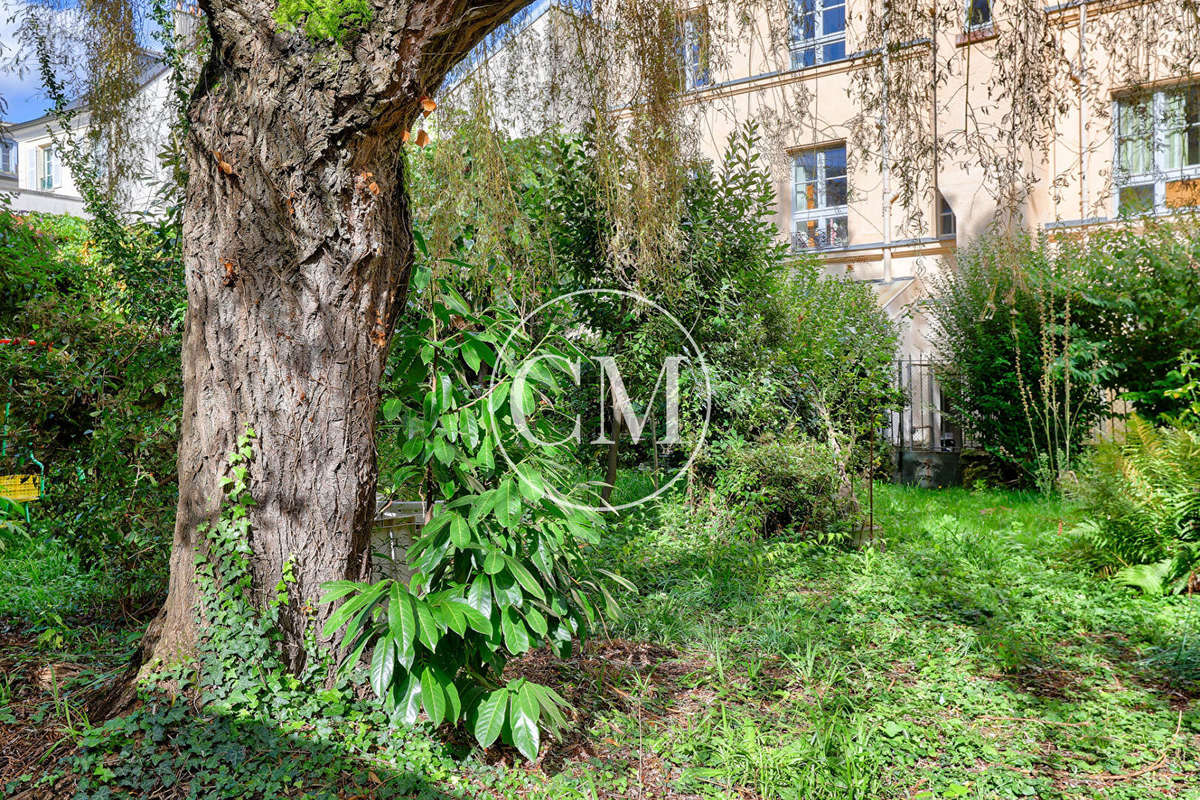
(21, 488)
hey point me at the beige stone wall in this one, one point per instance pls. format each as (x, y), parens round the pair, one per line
(1055, 169)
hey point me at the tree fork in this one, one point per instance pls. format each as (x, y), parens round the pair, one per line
(297, 251)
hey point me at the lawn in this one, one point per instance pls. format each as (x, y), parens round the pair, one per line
(966, 655)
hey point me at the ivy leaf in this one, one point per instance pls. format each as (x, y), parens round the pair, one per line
(523, 715)
(489, 720)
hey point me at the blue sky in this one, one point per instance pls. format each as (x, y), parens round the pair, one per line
(22, 89)
(23, 92)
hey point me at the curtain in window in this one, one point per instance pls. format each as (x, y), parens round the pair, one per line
(1135, 142)
(1181, 124)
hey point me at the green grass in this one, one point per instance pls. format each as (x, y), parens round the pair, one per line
(966, 655)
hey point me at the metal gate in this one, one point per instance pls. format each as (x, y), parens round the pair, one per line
(921, 425)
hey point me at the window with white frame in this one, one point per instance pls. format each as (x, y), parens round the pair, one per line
(48, 175)
(693, 47)
(979, 14)
(8, 157)
(1157, 159)
(818, 32)
(819, 199)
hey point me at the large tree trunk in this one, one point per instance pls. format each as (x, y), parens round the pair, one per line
(297, 246)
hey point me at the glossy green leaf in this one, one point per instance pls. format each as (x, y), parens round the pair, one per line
(406, 699)
(428, 629)
(516, 637)
(474, 617)
(402, 624)
(523, 713)
(493, 562)
(351, 606)
(489, 719)
(479, 596)
(383, 663)
(506, 590)
(535, 620)
(524, 576)
(432, 696)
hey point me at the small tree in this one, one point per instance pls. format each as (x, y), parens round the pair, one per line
(1017, 371)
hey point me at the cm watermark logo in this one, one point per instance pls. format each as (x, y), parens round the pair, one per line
(609, 387)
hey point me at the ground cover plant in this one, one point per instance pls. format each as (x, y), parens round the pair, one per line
(968, 655)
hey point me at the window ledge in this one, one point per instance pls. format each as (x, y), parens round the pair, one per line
(976, 35)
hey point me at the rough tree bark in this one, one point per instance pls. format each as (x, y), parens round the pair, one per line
(297, 247)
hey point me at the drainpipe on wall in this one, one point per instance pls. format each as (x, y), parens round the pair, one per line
(1084, 150)
(886, 155)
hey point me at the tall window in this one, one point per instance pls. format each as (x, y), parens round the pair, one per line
(947, 222)
(693, 47)
(8, 157)
(1157, 159)
(818, 32)
(979, 13)
(819, 199)
(47, 168)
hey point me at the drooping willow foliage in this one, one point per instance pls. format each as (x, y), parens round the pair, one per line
(613, 67)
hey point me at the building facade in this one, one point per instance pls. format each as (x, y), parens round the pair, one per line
(35, 177)
(900, 132)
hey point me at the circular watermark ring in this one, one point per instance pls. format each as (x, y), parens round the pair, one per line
(553, 492)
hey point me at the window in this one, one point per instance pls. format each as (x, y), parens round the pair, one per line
(1157, 158)
(818, 32)
(947, 223)
(693, 47)
(8, 157)
(48, 176)
(979, 14)
(819, 199)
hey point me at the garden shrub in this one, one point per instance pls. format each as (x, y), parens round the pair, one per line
(97, 401)
(786, 483)
(1138, 293)
(498, 568)
(1141, 494)
(1017, 372)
